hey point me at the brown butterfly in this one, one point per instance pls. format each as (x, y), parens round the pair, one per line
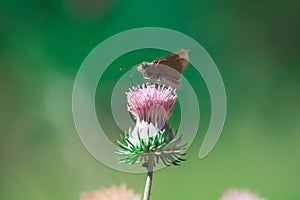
(165, 70)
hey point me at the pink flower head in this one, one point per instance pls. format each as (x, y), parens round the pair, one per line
(112, 193)
(151, 104)
(240, 195)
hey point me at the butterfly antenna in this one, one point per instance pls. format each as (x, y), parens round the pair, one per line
(122, 68)
(126, 68)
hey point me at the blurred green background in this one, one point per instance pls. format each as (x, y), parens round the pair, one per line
(255, 44)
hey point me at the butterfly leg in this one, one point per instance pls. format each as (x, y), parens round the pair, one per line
(131, 80)
(157, 82)
(146, 80)
(160, 61)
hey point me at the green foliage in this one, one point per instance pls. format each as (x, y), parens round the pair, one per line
(169, 151)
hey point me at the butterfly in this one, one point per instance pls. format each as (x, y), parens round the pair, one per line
(165, 70)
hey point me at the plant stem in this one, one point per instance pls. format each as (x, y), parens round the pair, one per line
(148, 184)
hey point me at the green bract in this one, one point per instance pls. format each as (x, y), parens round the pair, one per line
(169, 151)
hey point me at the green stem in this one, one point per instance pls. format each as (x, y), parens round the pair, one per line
(148, 184)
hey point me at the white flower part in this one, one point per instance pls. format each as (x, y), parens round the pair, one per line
(157, 115)
(144, 130)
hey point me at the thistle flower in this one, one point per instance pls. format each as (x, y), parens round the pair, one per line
(151, 107)
(113, 193)
(236, 194)
(142, 98)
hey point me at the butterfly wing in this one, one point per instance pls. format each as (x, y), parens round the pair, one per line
(170, 67)
(177, 60)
